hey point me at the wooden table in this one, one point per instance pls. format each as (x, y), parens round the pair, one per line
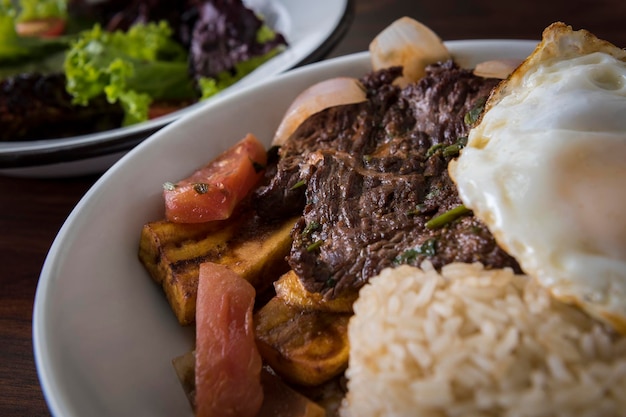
(33, 210)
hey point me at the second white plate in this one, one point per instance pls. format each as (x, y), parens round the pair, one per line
(311, 29)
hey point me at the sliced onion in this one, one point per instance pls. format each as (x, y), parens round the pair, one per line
(410, 44)
(497, 68)
(325, 94)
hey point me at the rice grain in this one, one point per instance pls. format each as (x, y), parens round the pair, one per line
(475, 342)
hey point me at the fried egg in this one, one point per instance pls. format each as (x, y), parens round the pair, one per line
(545, 169)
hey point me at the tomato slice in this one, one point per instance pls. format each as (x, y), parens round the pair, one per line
(228, 363)
(50, 27)
(213, 192)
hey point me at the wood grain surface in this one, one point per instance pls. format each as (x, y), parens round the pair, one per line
(33, 210)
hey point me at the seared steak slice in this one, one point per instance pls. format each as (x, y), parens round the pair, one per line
(373, 174)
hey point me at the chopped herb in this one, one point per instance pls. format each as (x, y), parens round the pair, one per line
(406, 257)
(169, 186)
(201, 187)
(419, 209)
(447, 217)
(299, 184)
(314, 246)
(432, 194)
(433, 149)
(367, 158)
(428, 248)
(330, 282)
(473, 115)
(311, 227)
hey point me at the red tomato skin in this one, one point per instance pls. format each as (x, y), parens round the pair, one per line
(213, 191)
(228, 363)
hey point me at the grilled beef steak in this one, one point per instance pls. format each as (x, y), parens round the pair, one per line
(369, 177)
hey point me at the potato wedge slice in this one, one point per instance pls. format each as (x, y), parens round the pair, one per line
(173, 252)
(290, 289)
(306, 347)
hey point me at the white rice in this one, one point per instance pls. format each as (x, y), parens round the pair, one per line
(473, 342)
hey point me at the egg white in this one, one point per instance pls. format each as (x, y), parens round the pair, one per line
(546, 171)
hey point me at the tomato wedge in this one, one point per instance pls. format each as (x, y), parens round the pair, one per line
(228, 363)
(213, 192)
(50, 27)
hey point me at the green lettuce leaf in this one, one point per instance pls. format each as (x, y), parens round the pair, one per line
(7, 9)
(41, 9)
(133, 68)
(50, 64)
(8, 37)
(15, 49)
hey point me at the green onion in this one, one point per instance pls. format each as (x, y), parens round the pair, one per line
(473, 115)
(298, 185)
(451, 150)
(447, 217)
(433, 149)
(314, 246)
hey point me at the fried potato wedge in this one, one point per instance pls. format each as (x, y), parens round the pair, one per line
(305, 347)
(172, 254)
(279, 400)
(290, 289)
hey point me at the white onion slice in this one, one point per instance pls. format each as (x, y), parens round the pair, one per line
(408, 43)
(497, 68)
(325, 94)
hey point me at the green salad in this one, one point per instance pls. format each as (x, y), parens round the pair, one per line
(141, 64)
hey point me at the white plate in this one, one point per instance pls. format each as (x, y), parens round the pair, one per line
(311, 30)
(104, 335)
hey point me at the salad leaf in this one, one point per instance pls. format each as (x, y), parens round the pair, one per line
(7, 8)
(49, 64)
(211, 86)
(15, 48)
(8, 36)
(132, 68)
(226, 34)
(41, 9)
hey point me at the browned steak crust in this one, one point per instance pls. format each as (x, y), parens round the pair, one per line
(369, 176)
